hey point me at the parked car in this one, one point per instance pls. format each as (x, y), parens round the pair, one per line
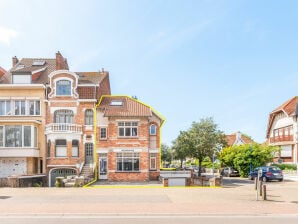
(268, 173)
(229, 172)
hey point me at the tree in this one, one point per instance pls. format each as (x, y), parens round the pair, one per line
(201, 140)
(181, 147)
(241, 156)
(204, 138)
(166, 153)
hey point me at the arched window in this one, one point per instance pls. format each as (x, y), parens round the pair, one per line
(89, 117)
(63, 116)
(63, 88)
(152, 129)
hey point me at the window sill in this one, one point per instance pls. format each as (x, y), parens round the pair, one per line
(128, 137)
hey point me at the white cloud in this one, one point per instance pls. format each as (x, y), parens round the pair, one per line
(6, 35)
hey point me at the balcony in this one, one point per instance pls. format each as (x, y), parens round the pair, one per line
(283, 138)
(63, 128)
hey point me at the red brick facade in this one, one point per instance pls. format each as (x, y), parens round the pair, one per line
(144, 145)
(74, 107)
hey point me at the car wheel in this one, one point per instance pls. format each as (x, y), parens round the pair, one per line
(280, 180)
(264, 179)
(250, 177)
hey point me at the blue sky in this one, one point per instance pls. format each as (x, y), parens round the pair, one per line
(232, 60)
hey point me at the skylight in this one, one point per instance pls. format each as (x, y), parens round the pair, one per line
(39, 62)
(116, 103)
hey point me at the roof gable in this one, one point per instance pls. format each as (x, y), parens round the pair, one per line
(288, 108)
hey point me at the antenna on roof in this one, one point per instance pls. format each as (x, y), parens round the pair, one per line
(134, 97)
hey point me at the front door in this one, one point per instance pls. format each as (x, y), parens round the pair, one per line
(88, 153)
(103, 166)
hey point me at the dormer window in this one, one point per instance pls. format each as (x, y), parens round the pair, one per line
(39, 63)
(21, 79)
(116, 103)
(63, 88)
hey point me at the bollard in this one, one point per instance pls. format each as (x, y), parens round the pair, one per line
(264, 192)
(261, 187)
(256, 183)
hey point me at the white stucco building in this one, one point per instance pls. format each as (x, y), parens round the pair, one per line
(282, 131)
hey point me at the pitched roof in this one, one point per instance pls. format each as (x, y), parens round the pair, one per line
(45, 66)
(91, 77)
(25, 65)
(2, 71)
(124, 106)
(288, 108)
(237, 138)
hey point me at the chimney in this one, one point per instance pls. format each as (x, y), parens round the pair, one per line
(15, 60)
(61, 62)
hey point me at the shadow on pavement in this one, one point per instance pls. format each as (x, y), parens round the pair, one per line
(232, 182)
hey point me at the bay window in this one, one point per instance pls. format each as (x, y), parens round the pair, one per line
(18, 136)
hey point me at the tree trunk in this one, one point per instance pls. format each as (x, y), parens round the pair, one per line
(200, 167)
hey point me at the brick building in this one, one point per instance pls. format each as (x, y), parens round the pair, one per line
(52, 122)
(128, 140)
(282, 131)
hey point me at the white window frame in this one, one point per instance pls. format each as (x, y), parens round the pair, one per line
(153, 131)
(75, 149)
(153, 157)
(57, 84)
(89, 117)
(60, 150)
(100, 133)
(126, 129)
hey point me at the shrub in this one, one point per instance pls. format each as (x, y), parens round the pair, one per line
(285, 166)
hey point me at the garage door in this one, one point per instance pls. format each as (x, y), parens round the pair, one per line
(60, 173)
(176, 182)
(12, 166)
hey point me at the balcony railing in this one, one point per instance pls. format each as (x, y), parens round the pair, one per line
(284, 138)
(63, 127)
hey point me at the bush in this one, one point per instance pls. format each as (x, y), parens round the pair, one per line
(285, 166)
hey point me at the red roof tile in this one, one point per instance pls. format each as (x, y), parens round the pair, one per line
(232, 138)
(129, 107)
(2, 71)
(288, 107)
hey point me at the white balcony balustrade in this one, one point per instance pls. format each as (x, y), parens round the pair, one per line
(63, 128)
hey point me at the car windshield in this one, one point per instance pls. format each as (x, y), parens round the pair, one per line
(274, 169)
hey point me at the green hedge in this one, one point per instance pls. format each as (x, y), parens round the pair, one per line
(285, 166)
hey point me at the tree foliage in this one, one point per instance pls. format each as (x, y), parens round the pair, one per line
(181, 147)
(241, 156)
(166, 153)
(200, 141)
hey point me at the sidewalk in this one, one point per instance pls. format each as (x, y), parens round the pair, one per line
(236, 197)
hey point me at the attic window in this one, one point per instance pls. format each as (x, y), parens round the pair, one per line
(38, 63)
(116, 103)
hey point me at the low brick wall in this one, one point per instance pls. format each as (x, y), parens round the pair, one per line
(27, 181)
(3, 182)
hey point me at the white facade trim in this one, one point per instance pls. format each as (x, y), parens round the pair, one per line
(19, 152)
(74, 109)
